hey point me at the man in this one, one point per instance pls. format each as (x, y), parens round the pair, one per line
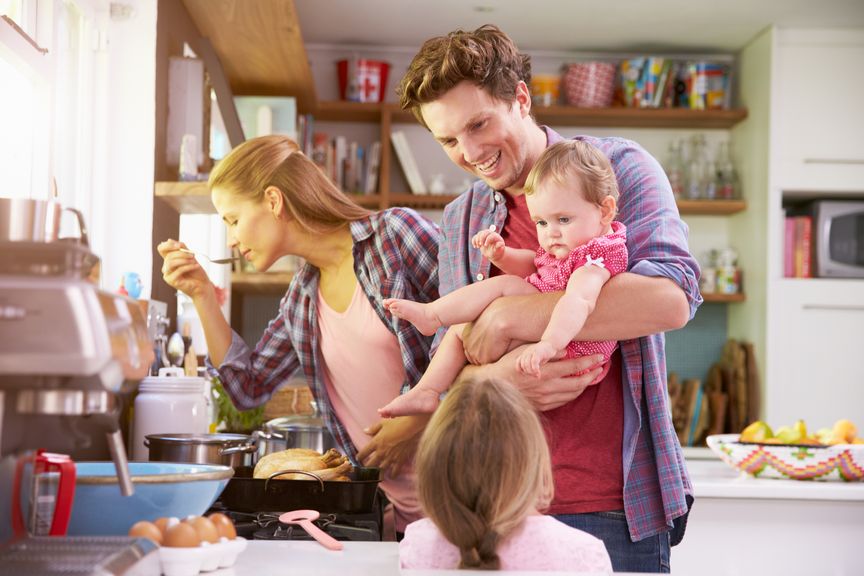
(619, 470)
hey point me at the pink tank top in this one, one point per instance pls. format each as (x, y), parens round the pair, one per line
(361, 381)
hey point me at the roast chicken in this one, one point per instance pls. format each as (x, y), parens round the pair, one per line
(328, 466)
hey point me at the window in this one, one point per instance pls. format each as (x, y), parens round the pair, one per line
(47, 68)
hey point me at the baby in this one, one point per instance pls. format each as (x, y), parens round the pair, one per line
(572, 195)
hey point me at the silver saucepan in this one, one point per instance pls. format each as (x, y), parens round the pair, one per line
(294, 432)
(27, 220)
(233, 450)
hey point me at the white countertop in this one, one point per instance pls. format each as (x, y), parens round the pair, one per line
(267, 558)
(713, 479)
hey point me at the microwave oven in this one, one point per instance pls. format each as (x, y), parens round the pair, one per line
(839, 238)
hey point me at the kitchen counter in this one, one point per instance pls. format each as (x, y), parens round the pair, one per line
(744, 525)
(267, 558)
(739, 526)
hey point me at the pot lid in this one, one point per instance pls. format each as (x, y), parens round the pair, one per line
(296, 422)
(199, 438)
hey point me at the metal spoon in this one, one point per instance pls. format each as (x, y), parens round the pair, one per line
(213, 260)
(176, 349)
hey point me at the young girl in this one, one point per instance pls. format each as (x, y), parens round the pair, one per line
(483, 476)
(572, 195)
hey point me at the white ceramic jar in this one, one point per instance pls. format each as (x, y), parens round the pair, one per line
(170, 403)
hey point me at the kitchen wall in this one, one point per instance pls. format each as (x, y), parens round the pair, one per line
(121, 224)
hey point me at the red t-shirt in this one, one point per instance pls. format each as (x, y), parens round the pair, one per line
(585, 436)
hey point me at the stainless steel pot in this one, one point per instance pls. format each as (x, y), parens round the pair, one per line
(294, 432)
(233, 450)
(27, 220)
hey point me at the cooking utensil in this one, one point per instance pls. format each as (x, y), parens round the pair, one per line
(247, 494)
(304, 518)
(235, 450)
(297, 431)
(176, 350)
(212, 260)
(27, 220)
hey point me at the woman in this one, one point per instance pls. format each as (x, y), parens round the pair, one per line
(331, 327)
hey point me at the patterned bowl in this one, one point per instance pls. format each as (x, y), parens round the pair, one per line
(796, 462)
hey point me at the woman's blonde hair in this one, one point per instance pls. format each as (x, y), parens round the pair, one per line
(573, 159)
(482, 467)
(310, 196)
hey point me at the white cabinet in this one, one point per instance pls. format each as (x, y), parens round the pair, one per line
(818, 119)
(814, 328)
(815, 367)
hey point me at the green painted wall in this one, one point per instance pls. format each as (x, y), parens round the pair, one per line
(748, 230)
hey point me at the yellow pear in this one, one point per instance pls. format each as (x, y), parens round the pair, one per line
(787, 435)
(758, 431)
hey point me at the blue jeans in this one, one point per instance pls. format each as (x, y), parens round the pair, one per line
(648, 555)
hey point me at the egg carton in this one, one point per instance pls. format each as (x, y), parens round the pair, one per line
(204, 558)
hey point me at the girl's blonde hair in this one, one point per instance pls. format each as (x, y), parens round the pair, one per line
(482, 467)
(310, 196)
(573, 159)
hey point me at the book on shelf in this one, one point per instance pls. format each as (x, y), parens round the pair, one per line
(373, 164)
(408, 163)
(798, 247)
(789, 248)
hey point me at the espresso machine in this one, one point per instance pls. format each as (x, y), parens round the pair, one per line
(69, 352)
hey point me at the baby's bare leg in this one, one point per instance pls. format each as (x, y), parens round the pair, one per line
(448, 361)
(462, 305)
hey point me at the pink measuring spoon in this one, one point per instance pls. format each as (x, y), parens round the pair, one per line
(304, 518)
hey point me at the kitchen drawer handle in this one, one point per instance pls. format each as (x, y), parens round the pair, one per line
(853, 161)
(852, 307)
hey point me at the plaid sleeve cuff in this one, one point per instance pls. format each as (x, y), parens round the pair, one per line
(684, 278)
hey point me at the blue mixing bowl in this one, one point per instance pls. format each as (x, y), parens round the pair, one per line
(161, 489)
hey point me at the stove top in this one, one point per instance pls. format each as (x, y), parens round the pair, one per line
(266, 525)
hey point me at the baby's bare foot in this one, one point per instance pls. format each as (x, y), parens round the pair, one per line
(418, 313)
(418, 400)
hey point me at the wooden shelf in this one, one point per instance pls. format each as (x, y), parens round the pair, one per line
(711, 207)
(638, 117)
(194, 198)
(338, 111)
(263, 283)
(427, 201)
(186, 197)
(723, 298)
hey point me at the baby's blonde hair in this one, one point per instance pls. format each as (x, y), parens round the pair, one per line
(310, 196)
(483, 466)
(573, 159)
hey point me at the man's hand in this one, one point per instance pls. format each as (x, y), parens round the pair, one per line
(393, 443)
(554, 388)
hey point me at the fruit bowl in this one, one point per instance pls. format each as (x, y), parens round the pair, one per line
(791, 461)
